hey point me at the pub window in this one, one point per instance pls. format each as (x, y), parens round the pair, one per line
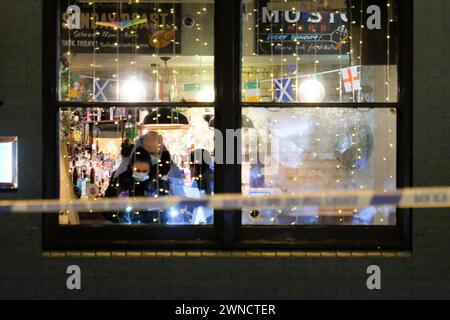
(160, 55)
(313, 74)
(320, 91)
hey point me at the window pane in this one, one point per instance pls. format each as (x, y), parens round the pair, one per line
(319, 51)
(121, 152)
(294, 150)
(136, 51)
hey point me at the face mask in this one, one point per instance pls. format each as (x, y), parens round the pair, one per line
(140, 176)
(154, 160)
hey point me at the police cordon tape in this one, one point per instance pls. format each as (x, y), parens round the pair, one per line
(434, 197)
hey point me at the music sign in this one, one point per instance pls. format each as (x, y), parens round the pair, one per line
(300, 32)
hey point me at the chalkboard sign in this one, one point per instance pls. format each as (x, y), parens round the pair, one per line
(141, 28)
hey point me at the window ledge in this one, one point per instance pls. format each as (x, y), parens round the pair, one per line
(227, 254)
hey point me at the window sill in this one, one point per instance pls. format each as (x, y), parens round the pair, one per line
(227, 254)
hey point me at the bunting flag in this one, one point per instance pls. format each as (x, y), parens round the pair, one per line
(104, 89)
(292, 68)
(252, 91)
(190, 91)
(283, 88)
(351, 79)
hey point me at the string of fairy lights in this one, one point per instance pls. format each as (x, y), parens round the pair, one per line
(355, 53)
(388, 52)
(133, 68)
(277, 59)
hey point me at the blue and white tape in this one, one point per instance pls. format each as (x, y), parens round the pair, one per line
(345, 199)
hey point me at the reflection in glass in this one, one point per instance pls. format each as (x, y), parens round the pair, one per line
(137, 152)
(294, 150)
(136, 51)
(318, 51)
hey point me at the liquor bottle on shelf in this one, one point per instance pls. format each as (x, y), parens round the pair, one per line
(92, 175)
(74, 175)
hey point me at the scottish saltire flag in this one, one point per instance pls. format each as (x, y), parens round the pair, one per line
(283, 88)
(104, 89)
(351, 79)
(252, 91)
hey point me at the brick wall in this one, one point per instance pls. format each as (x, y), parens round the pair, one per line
(26, 273)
